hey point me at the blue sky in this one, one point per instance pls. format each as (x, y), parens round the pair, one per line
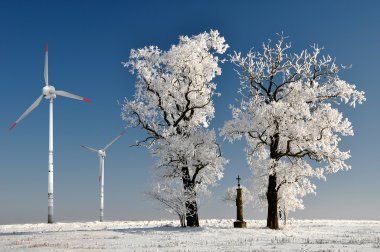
(88, 40)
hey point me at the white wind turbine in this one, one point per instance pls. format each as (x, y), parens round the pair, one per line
(102, 154)
(49, 93)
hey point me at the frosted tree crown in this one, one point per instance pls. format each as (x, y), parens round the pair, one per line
(289, 117)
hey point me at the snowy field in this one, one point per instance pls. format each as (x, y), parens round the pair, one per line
(213, 235)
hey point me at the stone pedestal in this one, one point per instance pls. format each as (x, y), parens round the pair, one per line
(239, 223)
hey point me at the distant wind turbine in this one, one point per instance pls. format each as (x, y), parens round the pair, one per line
(102, 154)
(49, 93)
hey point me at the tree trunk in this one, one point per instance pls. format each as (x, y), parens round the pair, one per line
(272, 197)
(272, 219)
(192, 214)
(191, 203)
(182, 220)
(285, 217)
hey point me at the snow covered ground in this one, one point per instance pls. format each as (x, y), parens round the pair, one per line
(213, 235)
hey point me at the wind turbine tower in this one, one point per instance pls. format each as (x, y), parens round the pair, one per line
(49, 93)
(102, 154)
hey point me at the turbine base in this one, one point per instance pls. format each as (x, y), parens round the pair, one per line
(50, 218)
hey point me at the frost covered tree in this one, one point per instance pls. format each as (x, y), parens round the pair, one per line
(173, 103)
(289, 116)
(172, 199)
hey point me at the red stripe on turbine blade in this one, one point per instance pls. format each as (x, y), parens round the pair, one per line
(100, 178)
(13, 125)
(82, 146)
(46, 47)
(122, 133)
(86, 100)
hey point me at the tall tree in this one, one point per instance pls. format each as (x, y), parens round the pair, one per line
(289, 117)
(173, 102)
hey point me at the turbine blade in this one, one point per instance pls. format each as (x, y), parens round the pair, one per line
(30, 109)
(72, 96)
(88, 148)
(46, 68)
(120, 135)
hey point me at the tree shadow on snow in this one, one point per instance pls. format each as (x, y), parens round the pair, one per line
(165, 228)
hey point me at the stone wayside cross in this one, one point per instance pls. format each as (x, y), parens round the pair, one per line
(239, 223)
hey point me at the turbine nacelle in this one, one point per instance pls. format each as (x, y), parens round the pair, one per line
(102, 153)
(49, 92)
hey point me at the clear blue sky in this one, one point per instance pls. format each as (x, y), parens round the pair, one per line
(88, 40)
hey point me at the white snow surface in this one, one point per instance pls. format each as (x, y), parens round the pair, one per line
(213, 235)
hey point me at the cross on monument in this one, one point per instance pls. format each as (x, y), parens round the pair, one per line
(238, 179)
